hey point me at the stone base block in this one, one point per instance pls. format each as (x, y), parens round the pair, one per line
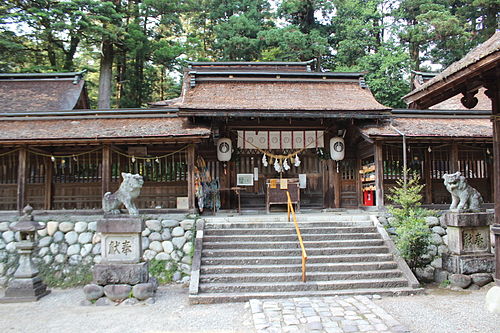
(25, 290)
(462, 219)
(469, 264)
(120, 224)
(120, 273)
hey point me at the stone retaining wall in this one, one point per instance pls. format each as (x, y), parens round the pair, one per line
(434, 271)
(71, 241)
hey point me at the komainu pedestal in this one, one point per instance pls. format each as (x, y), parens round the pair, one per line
(469, 243)
(121, 272)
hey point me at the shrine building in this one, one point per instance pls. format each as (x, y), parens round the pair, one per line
(239, 134)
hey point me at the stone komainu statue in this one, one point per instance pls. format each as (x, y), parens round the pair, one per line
(128, 191)
(464, 196)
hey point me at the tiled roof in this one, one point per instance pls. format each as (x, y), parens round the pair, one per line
(435, 127)
(95, 129)
(289, 96)
(39, 94)
(490, 47)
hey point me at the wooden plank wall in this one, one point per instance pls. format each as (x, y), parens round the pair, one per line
(78, 181)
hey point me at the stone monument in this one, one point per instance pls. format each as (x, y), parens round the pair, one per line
(26, 285)
(468, 229)
(121, 273)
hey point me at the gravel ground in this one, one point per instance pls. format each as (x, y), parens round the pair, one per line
(443, 311)
(440, 311)
(60, 312)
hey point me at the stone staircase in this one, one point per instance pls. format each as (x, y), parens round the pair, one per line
(245, 257)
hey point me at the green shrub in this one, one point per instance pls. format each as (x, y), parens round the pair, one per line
(412, 232)
(162, 270)
(412, 241)
(67, 277)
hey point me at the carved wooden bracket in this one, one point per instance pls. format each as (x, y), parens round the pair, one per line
(469, 100)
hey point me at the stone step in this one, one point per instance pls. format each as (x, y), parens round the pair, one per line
(256, 225)
(289, 230)
(301, 286)
(352, 258)
(293, 244)
(292, 268)
(297, 276)
(209, 298)
(291, 237)
(324, 251)
(282, 217)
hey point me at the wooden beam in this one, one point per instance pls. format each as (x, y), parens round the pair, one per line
(21, 179)
(337, 184)
(454, 157)
(49, 172)
(379, 175)
(427, 177)
(190, 177)
(106, 170)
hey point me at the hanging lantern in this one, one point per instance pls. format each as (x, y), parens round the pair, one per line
(224, 149)
(337, 148)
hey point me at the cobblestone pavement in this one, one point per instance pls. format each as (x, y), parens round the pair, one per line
(338, 314)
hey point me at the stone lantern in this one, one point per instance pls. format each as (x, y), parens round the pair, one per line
(26, 285)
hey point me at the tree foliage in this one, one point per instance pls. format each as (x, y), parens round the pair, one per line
(145, 42)
(412, 232)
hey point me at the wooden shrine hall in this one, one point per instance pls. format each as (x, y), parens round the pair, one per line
(239, 134)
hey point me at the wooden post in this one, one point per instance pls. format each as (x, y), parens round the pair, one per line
(326, 184)
(454, 158)
(331, 184)
(427, 177)
(106, 170)
(21, 179)
(337, 184)
(379, 175)
(493, 93)
(190, 177)
(49, 172)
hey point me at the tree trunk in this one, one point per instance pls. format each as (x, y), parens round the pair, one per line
(105, 76)
(70, 54)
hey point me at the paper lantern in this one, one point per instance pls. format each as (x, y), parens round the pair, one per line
(224, 149)
(337, 149)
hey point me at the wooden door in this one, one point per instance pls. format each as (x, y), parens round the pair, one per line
(348, 183)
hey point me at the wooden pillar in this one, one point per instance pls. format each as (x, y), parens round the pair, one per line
(190, 177)
(21, 179)
(337, 184)
(379, 175)
(49, 172)
(331, 184)
(493, 93)
(326, 184)
(106, 170)
(427, 177)
(454, 158)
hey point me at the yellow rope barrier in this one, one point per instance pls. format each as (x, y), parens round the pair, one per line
(10, 152)
(64, 156)
(150, 157)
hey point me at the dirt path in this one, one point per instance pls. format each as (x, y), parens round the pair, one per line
(443, 311)
(60, 312)
(440, 311)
